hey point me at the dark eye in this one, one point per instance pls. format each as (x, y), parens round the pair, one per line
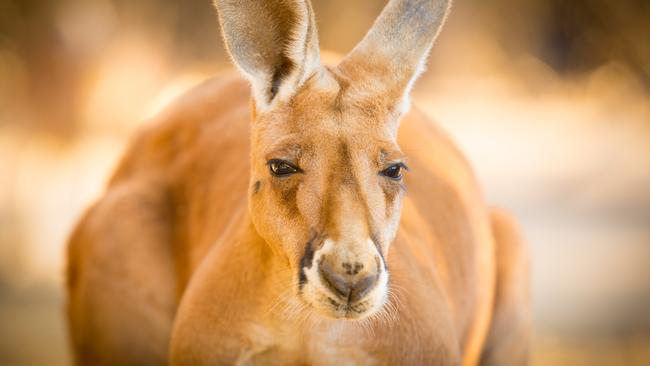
(393, 172)
(281, 168)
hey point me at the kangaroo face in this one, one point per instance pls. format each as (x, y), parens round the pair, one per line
(326, 189)
(326, 172)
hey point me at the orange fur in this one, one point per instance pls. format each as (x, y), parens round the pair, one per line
(193, 254)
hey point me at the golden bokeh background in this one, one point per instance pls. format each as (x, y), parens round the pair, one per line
(549, 99)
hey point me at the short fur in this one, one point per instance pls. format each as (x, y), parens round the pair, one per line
(197, 254)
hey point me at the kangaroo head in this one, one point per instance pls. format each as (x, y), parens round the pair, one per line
(326, 171)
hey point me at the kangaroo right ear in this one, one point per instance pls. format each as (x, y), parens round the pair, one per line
(273, 42)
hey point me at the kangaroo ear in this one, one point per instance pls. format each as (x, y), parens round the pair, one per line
(273, 42)
(392, 55)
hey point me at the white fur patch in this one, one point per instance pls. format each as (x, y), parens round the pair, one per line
(317, 294)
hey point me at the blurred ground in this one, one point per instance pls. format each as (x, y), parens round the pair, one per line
(550, 100)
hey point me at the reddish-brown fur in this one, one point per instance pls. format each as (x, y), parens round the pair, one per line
(193, 245)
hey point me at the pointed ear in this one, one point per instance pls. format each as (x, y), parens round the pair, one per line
(392, 55)
(273, 42)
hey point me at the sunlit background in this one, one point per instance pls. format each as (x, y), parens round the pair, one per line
(549, 99)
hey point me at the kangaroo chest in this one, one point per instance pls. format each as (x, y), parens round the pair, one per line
(333, 345)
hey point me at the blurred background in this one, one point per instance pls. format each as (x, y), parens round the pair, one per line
(549, 99)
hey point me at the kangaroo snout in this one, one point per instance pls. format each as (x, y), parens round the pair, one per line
(349, 281)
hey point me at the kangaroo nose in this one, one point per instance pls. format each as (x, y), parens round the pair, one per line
(349, 284)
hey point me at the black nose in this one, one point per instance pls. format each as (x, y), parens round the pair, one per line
(347, 287)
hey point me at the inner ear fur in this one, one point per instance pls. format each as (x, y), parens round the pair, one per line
(273, 42)
(392, 54)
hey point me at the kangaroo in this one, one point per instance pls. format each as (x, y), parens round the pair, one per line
(281, 219)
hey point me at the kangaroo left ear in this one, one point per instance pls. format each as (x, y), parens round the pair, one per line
(273, 42)
(393, 53)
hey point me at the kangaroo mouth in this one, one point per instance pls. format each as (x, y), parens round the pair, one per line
(322, 300)
(341, 285)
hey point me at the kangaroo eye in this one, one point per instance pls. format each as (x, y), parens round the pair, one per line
(393, 172)
(281, 168)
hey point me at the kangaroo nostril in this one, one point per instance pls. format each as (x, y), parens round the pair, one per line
(335, 282)
(347, 283)
(352, 269)
(362, 287)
